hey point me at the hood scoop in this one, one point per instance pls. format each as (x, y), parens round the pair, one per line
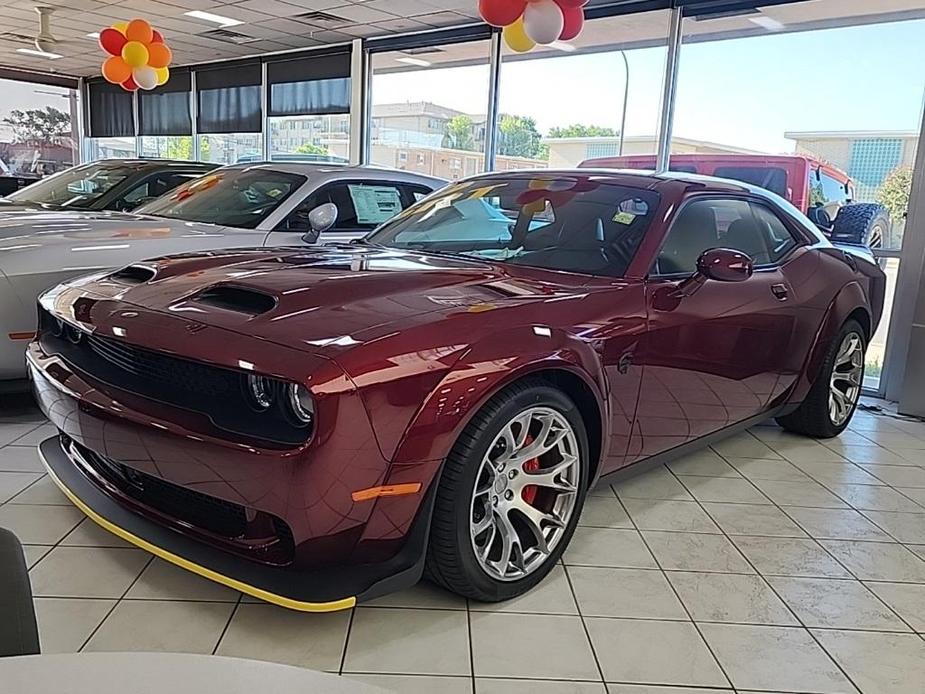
(134, 274)
(238, 299)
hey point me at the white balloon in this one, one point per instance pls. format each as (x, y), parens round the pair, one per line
(543, 21)
(145, 77)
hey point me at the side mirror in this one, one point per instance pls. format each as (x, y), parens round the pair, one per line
(719, 265)
(820, 217)
(320, 219)
(725, 265)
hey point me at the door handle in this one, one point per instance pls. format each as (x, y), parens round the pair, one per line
(781, 291)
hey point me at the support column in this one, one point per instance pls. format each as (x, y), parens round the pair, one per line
(669, 89)
(494, 87)
(359, 104)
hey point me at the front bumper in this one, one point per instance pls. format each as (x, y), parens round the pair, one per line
(275, 585)
(325, 590)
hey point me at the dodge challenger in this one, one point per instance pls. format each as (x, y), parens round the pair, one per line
(317, 426)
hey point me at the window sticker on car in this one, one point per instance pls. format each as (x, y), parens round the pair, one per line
(375, 204)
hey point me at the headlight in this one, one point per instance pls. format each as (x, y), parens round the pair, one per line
(261, 392)
(302, 404)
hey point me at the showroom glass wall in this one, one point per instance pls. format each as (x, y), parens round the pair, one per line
(596, 96)
(429, 105)
(812, 79)
(38, 128)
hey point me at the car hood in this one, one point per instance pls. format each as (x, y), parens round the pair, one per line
(325, 299)
(42, 227)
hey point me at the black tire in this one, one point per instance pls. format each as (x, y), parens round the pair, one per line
(861, 223)
(812, 418)
(451, 560)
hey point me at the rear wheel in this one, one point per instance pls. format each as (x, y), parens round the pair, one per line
(510, 494)
(834, 397)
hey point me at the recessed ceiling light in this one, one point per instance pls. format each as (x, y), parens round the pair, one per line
(563, 46)
(93, 35)
(217, 18)
(41, 54)
(768, 23)
(414, 61)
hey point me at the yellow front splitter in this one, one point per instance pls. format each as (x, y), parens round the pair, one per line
(182, 562)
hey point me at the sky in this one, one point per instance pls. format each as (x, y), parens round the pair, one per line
(743, 92)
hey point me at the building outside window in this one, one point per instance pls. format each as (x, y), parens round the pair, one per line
(37, 124)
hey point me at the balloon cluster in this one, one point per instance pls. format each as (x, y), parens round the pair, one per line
(529, 22)
(138, 57)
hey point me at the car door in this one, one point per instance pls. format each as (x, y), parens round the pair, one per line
(361, 207)
(715, 357)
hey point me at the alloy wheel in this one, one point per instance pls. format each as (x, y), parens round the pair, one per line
(525, 493)
(847, 378)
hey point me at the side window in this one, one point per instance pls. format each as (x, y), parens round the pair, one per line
(700, 226)
(361, 207)
(834, 190)
(759, 235)
(825, 190)
(750, 228)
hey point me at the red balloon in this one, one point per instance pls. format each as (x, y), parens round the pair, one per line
(112, 40)
(574, 22)
(158, 37)
(501, 13)
(129, 84)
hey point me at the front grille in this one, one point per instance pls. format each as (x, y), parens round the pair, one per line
(255, 534)
(213, 391)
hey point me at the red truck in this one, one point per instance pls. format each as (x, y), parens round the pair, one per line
(822, 192)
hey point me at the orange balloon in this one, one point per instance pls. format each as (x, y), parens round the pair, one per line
(159, 55)
(116, 70)
(139, 30)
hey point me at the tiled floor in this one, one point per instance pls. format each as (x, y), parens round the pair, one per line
(769, 563)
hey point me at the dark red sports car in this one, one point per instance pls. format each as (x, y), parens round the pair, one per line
(321, 425)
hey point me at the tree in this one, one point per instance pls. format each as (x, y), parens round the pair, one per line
(459, 133)
(894, 192)
(39, 127)
(519, 137)
(578, 130)
(309, 148)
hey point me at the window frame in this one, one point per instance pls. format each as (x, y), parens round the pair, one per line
(798, 237)
(405, 188)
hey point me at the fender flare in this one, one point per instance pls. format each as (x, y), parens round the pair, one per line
(482, 371)
(850, 299)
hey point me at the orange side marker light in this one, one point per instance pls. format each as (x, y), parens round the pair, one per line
(22, 336)
(387, 490)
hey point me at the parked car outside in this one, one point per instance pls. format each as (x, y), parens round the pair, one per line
(318, 426)
(243, 205)
(821, 191)
(111, 184)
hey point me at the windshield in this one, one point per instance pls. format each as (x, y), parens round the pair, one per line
(240, 198)
(573, 223)
(76, 187)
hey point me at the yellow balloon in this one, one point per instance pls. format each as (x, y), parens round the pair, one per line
(120, 27)
(163, 74)
(135, 53)
(516, 37)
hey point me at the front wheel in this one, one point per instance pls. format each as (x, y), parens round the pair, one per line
(834, 397)
(510, 494)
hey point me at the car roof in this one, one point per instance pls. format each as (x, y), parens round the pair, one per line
(636, 178)
(335, 171)
(156, 163)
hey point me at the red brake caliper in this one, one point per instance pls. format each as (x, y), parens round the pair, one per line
(529, 492)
